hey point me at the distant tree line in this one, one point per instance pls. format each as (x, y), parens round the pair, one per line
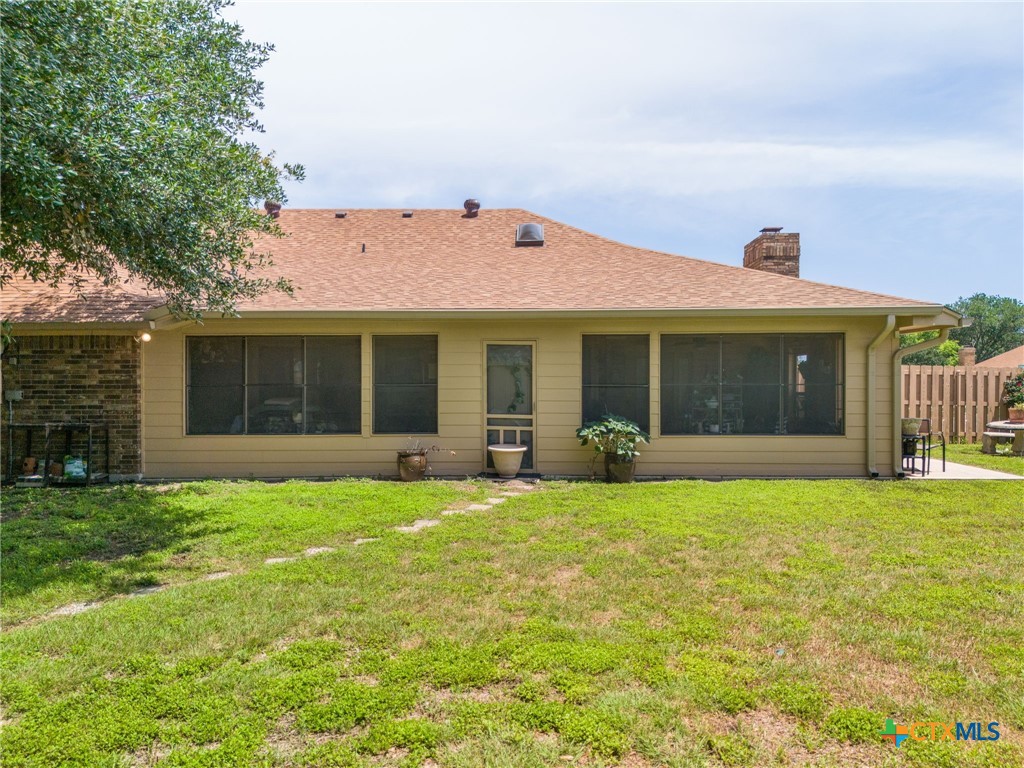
(998, 327)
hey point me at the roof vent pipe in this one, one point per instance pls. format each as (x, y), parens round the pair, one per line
(273, 208)
(471, 206)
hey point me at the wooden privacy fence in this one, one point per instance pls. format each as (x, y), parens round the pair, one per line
(958, 399)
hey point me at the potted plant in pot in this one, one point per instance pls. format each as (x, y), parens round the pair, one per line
(412, 460)
(616, 439)
(1013, 396)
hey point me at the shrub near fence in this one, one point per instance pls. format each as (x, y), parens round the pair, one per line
(958, 399)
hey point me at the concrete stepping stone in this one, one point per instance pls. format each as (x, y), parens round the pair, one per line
(217, 575)
(276, 560)
(498, 500)
(313, 551)
(478, 507)
(447, 512)
(360, 542)
(73, 609)
(418, 526)
(511, 493)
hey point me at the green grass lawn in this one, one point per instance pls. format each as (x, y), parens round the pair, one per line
(970, 453)
(683, 624)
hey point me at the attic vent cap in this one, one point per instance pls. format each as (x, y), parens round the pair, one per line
(530, 234)
(406, 214)
(471, 206)
(273, 208)
(340, 214)
(771, 230)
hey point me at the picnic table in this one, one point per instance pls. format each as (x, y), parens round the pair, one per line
(1009, 426)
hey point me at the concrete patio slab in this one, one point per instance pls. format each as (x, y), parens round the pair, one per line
(956, 471)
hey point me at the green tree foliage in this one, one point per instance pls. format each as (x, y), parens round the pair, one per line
(947, 353)
(998, 324)
(125, 148)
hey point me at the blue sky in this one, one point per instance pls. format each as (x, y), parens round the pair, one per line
(891, 136)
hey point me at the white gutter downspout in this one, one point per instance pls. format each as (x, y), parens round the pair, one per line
(869, 448)
(897, 400)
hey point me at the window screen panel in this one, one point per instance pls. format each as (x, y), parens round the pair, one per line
(814, 384)
(751, 392)
(274, 385)
(616, 378)
(216, 385)
(333, 385)
(690, 370)
(405, 385)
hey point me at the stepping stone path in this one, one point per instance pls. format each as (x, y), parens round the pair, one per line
(517, 489)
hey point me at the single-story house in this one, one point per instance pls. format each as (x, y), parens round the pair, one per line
(461, 328)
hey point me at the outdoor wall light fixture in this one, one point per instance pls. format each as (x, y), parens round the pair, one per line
(142, 338)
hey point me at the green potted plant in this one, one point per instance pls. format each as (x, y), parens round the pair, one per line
(1013, 396)
(616, 439)
(412, 460)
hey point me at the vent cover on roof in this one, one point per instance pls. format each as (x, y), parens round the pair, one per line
(406, 214)
(340, 214)
(530, 234)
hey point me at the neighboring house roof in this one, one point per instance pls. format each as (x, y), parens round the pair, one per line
(443, 260)
(25, 301)
(1011, 359)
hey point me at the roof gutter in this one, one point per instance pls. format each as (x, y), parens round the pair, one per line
(916, 312)
(872, 395)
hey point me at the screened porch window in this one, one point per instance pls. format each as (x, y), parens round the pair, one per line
(273, 385)
(405, 385)
(616, 378)
(752, 384)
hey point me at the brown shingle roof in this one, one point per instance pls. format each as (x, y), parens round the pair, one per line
(25, 301)
(441, 260)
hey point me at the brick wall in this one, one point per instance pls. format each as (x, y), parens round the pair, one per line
(777, 252)
(83, 379)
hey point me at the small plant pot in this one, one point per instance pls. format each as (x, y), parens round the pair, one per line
(1015, 415)
(910, 426)
(412, 466)
(618, 469)
(507, 457)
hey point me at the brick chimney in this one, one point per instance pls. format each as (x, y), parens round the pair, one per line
(773, 251)
(966, 355)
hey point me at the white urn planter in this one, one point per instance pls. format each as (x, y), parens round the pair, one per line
(507, 458)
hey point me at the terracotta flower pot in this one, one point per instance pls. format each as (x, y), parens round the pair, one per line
(1015, 415)
(412, 466)
(507, 457)
(618, 469)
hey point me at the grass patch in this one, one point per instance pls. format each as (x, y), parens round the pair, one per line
(64, 546)
(970, 453)
(683, 623)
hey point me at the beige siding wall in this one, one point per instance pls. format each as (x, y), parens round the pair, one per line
(169, 452)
